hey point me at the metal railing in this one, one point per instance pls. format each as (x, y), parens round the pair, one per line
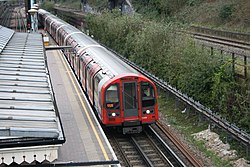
(221, 122)
(228, 34)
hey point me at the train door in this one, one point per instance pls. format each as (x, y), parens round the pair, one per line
(130, 99)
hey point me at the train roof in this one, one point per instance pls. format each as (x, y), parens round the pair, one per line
(107, 60)
(27, 108)
(102, 56)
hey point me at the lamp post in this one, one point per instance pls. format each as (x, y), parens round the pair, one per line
(34, 23)
(36, 17)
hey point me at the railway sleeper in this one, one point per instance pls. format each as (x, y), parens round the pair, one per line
(131, 152)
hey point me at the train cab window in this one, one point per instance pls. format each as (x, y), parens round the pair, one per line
(147, 94)
(112, 97)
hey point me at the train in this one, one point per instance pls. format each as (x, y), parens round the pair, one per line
(122, 97)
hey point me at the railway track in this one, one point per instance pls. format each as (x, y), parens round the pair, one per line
(234, 36)
(231, 129)
(223, 41)
(176, 145)
(14, 18)
(239, 50)
(155, 146)
(19, 20)
(73, 17)
(6, 17)
(145, 149)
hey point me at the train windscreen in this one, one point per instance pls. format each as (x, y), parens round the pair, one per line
(112, 97)
(147, 94)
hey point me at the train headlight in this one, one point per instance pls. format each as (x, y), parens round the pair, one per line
(147, 111)
(113, 114)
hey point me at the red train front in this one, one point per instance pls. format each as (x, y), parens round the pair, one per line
(121, 96)
(130, 102)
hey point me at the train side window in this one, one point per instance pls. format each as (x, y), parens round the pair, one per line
(83, 70)
(112, 97)
(147, 94)
(88, 84)
(97, 80)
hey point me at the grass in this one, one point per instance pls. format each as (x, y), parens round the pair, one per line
(212, 14)
(187, 124)
(72, 4)
(172, 109)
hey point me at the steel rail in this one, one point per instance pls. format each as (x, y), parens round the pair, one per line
(139, 149)
(126, 160)
(179, 145)
(221, 38)
(229, 127)
(19, 21)
(239, 36)
(146, 154)
(5, 17)
(228, 45)
(23, 22)
(222, 41)
(166, 148)
(126, 149)
(9, 18)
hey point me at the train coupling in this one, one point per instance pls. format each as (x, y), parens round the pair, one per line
(132, 129)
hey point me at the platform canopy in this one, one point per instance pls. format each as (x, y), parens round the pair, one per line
(29, 119)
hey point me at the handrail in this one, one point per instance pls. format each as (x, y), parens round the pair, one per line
(231, 128)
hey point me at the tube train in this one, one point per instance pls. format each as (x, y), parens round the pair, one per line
(121, 96)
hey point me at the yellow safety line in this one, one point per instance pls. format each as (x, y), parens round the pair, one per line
(85, 110)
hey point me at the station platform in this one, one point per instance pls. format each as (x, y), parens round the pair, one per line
(30, 127)
(85, 140)
(45, 116)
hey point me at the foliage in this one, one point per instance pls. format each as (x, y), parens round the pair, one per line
(222, 86)
(48, 5)
(162, 8)
(98, 3)
(226, 12)
(72, 4)
(240, 106)
(178, 120)
(155, 47)
(215, 159)
(193, 2)
(116, 31)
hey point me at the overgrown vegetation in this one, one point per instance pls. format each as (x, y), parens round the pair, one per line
(48, 5)
(164, 8)
(187, 123)
(226, 12)
(222, 14)
(155, 47)
(72, 4)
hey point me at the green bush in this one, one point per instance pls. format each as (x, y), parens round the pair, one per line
(160, 7)
(48, 5)
(155, 47)
(226, 12)
(115, 31)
